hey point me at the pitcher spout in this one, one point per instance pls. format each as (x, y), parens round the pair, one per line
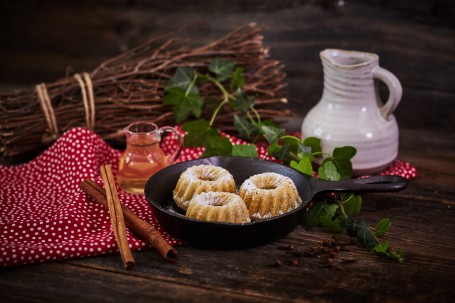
(346, 59)
(350, 111)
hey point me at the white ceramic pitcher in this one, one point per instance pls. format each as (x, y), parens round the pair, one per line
(350, 111)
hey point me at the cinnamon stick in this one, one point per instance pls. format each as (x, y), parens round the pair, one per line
(116, 214)
(143, 229)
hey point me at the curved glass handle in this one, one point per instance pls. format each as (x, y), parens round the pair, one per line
(172, 157)
(395, 90)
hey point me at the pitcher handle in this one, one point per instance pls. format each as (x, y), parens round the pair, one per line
(172, 157)
(395, 90)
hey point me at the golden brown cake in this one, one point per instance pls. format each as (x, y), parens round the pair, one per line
(201, 178)
(269, 194)
(218, 207)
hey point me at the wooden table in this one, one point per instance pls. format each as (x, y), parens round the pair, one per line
(423, 225)
(414, 40)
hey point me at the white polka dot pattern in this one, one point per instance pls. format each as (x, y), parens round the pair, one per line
(45, 216)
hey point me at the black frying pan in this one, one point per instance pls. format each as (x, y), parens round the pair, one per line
(159, 187)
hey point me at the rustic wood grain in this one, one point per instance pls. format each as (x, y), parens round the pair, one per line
(415, 40)
(422, 224)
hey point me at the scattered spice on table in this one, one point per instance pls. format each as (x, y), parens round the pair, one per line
(328, 253)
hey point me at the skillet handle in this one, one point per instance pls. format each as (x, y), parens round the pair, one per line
(369, 184)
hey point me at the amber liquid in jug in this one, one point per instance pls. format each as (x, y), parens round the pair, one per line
(143, 155)
(142, 160)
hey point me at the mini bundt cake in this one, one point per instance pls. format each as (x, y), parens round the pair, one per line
(202, 178)
(218, 207)
(269, 194)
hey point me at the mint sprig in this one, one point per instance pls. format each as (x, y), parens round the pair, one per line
(334, 212)
(183, 94)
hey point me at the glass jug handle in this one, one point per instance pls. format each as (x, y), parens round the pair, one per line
(395, 90)
(172, 157)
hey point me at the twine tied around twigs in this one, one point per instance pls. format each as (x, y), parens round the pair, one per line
(131, 86)
(48, 110)
(88, 98)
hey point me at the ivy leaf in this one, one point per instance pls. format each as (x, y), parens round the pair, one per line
(318, 210)
(221, 68)
(328, 171)
(399, 255)
(295, 145)
(352, 205)
(241, 102)
(361, 231)
(312, 215)
(280, 152)
(182, 78)
(332, 225)
(272, 133)
(274, 148)
(381, 248)
(217, 146)
(382, 227)
(197, 132)
(304, 166)
(237, 78)
(242, 150)
(183, 104)
(314, 143)
(244, 127)
(342, 159)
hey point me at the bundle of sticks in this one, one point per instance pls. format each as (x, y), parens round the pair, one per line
(130, 87)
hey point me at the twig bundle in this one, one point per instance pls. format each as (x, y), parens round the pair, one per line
(130, 87)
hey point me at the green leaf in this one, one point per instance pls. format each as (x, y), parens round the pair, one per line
(244, 127)
(183, 104)
(221, 68)
(241, 102)
(271, 133)
(314, 143)
(274, 148)
(382, 227)
(280, 152)
(381, 248)
(197, 132)
(237, 79)
(182, 78)
(312, 215)
(361, 231)
(399, 255)
(332, 225)
(304, 166)
(242, 150)
(318, 210)
(217, 146)
(345, 152)
(342, 159)
(328, 171)
(293, 142)
(352, 205)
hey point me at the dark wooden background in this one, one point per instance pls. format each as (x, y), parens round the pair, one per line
(415, 40)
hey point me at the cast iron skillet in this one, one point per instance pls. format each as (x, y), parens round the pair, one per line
(158, 192)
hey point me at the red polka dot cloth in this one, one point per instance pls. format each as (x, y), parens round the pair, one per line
(45, 216)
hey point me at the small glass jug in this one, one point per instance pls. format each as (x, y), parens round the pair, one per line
(143, 155)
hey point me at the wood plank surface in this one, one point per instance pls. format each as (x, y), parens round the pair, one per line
(41, 40)
(422, 224)
(414, 39)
